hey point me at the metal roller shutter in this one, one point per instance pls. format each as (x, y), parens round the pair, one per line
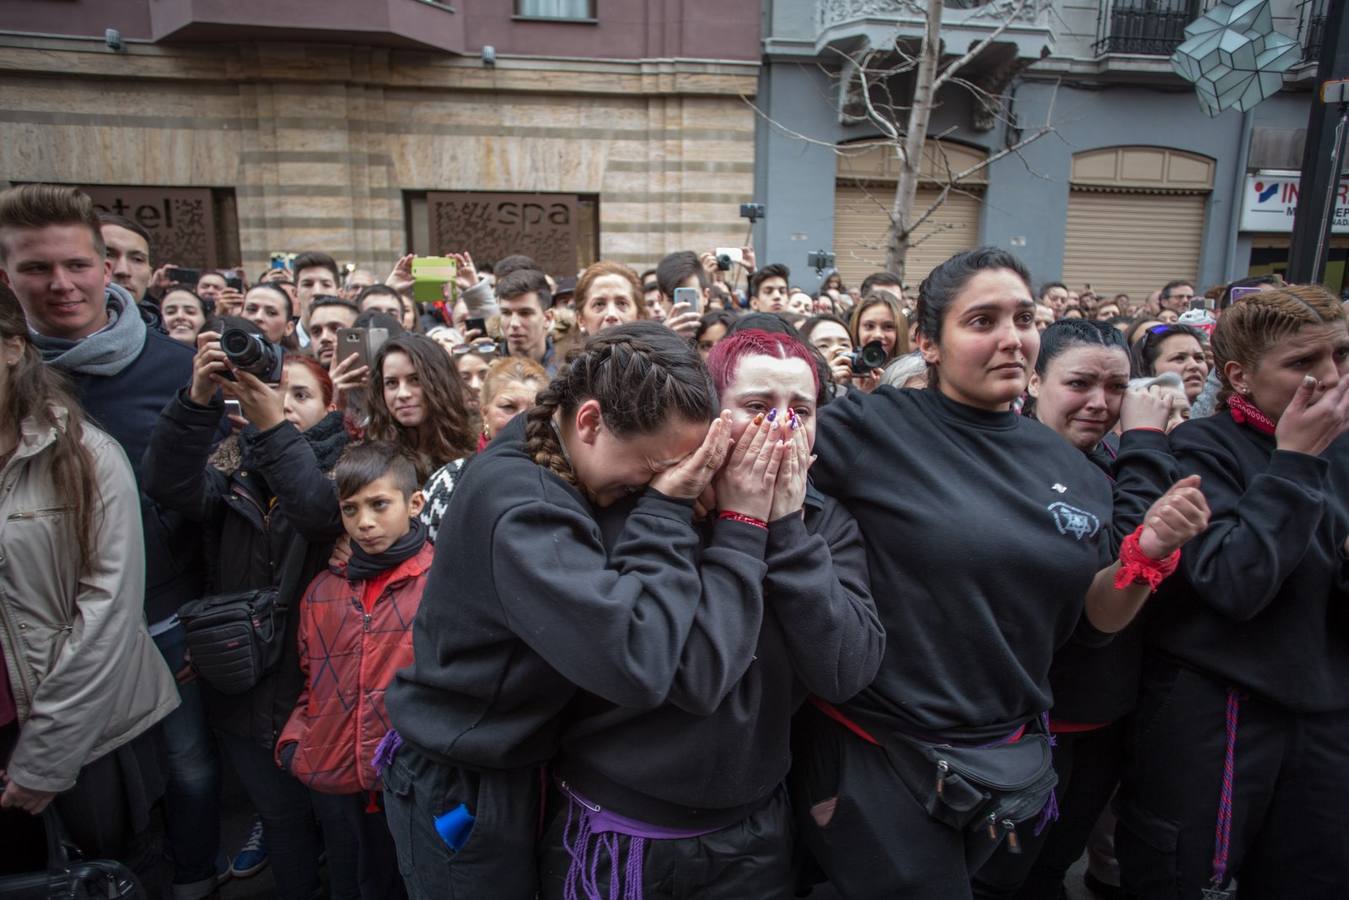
(1132, 243)
(861, 217)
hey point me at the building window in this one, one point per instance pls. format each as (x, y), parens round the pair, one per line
(579, 10)
(1148, 27)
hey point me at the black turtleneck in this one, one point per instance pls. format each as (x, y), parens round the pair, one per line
(984, 531)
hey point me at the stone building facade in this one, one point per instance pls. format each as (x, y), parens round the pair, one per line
(298, 134)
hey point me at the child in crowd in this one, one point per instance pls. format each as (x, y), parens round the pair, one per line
(355, 631)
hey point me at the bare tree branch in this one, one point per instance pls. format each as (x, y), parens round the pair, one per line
(978, 48)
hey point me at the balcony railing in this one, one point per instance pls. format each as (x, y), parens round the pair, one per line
(1311, 28)
(1149, 27)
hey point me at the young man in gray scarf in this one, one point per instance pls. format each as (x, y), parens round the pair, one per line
(52, 255)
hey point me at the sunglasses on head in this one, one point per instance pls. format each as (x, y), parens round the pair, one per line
(482, 348)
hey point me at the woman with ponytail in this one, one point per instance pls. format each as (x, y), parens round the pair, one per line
(1241, 736)
(542, 609)
(647, 799)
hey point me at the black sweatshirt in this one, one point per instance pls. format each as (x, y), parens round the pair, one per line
(820, 634)
(984, 531)
(1260, 597)
(1099, 684)
(524, 606)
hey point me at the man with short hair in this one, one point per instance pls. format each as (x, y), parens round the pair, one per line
(381, 298)
(883, 281)
(86, 325)
(315, 273)
(1176, 296)
(768, 288)
(1054, 294)
(650, 288)
(1044, 317)
(128, 249)
(358, 279)
(527, 316)
(681, 269)
(327, 316)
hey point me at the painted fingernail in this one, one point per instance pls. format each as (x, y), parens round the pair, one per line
(772, 414)
(758, 419)
(796, 423)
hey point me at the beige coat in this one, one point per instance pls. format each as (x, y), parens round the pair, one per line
(86, 676)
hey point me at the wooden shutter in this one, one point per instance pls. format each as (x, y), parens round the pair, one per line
(1131, 242)
(861, 217)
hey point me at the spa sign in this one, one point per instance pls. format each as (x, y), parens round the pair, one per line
(493, 226)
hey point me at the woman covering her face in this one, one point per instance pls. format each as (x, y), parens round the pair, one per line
(1245, 695)
(660, 787)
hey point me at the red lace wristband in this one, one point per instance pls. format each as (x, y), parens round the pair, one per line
(1136, 566)
(744, 519)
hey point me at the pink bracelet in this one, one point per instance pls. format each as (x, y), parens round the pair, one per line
(743, 519)
(1136, 566)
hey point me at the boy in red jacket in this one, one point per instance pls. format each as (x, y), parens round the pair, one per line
(355, 631)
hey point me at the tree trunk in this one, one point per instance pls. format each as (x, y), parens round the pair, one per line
(911, 153)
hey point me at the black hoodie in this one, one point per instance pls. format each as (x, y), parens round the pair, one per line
(525, 605)
(819, 634)
(1260, 599)
(984, 531)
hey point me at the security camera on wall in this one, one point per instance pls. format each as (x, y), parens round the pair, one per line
(113, 38)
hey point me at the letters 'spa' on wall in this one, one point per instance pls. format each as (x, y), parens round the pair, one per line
(493, 226)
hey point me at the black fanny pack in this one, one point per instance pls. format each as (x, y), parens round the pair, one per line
(993, 787)
(235, 639)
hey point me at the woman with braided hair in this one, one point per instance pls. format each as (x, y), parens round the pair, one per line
(1241, 735)
(667, 801)
(527, 606)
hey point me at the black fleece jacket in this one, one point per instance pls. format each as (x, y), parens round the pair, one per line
(1095, 684)
(819, 634)
(1260, 598)
(525, 606)
(269, 523)
(984, 531)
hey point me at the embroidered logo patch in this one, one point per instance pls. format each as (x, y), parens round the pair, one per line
(1077, 522)
(1060, 488)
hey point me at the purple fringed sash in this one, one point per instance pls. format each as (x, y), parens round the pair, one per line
(1050, 813)
(385, 752)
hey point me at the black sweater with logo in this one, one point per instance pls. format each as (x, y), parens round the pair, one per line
(984, 531)
(1260, 598)
(526, 605)
(1099, 684)
(819, 634)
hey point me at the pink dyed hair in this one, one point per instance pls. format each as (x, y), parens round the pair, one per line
(724, 360)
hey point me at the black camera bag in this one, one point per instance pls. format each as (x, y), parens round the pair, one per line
(67, 878)
(235, 639)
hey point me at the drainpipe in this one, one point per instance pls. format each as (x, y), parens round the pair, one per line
(1238, 198)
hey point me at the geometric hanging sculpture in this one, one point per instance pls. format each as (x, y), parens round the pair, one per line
(1234, 56)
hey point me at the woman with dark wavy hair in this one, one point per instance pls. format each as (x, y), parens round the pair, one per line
(417, 401)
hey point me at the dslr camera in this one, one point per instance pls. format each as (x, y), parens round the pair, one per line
(252, 353)
(870, 356)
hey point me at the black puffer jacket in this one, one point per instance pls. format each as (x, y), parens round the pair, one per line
(270, 520)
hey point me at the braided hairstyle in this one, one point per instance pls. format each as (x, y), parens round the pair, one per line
(1251, 326)
(641, 373)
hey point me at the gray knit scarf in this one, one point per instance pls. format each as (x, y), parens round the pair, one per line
(105, 352)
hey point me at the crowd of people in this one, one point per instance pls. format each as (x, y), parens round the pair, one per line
(607, 584)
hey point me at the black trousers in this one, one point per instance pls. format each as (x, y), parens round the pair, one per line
(1088, 764)
(1290, 821)
(866, 829)
(750, 860)
(497, 859)
(362, 859)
